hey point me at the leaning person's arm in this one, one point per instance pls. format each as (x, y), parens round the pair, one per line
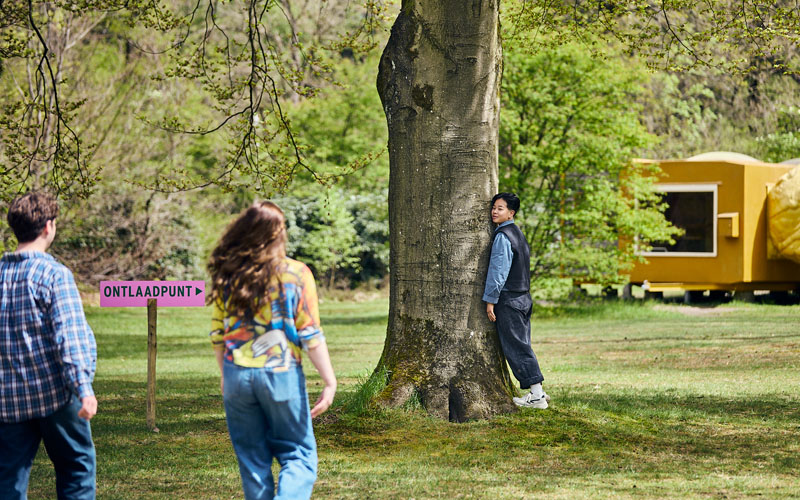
(313, 341)
(497, 274)
(75, 340)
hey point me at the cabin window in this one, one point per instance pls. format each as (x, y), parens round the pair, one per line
(693, 208)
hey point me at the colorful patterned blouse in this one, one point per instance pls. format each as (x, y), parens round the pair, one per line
(274, 336)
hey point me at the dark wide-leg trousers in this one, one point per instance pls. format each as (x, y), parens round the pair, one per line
(513, 312)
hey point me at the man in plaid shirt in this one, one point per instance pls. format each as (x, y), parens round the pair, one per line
(47, 360)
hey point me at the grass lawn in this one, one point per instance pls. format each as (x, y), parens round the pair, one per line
(648, 401)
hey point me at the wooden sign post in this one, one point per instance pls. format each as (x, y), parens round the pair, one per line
(152, 349)
(152, 294)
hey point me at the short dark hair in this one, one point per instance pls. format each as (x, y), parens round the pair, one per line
(29, 213)
(512, 201)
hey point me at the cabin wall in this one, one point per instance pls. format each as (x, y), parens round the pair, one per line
(741, 189)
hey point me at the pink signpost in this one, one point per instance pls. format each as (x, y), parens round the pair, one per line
(166, 293)
(152, 294)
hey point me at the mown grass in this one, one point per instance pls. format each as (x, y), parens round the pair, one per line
(649, 401)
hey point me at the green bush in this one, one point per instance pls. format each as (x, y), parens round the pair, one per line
(343, 237)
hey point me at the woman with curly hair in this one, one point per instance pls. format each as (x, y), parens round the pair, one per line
(265, 313)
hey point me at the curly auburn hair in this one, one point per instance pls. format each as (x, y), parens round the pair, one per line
(248, 257)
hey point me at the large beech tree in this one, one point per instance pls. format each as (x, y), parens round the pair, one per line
(439, 79)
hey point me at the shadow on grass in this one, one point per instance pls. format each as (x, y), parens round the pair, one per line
(687, 338)
(111, 345)
(746, 432)
(592, 432)
(763, 410)
(186, 407)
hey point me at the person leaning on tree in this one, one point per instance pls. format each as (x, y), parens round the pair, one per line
(508, 299)
(48, 357)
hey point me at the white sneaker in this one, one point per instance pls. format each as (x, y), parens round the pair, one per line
(527, 401)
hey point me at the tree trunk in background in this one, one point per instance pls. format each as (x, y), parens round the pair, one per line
(439, 79)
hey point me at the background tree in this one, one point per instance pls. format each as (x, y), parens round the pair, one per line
(321, 232)
(680, 111)
(342, 125)
(567, 134)
(344, 122)
(709, 110)
(143, 85)
(784, 143)
(118, 230)
(246, 59)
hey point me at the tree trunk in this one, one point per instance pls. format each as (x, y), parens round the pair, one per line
(438, 80)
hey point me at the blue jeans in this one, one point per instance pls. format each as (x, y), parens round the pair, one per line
(268, 417)
(68, 441)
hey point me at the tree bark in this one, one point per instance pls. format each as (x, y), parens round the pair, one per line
(439, 79)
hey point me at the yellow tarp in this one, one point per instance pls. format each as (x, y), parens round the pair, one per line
(783, 217)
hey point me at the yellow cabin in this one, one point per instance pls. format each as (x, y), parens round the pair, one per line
(720, 201)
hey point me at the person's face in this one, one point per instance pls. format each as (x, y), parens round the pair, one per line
(500, 211)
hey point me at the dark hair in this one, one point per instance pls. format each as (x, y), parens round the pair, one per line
(512, 201)
(247, 258)
(29, 213)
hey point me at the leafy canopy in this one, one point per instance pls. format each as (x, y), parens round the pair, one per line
(247, 58)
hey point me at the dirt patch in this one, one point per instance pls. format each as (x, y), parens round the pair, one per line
(696, 311)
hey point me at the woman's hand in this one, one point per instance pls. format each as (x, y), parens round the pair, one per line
(490, 312)
(324, 401)
(322, 362)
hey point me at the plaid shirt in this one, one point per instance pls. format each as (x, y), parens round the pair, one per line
(47, 349)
